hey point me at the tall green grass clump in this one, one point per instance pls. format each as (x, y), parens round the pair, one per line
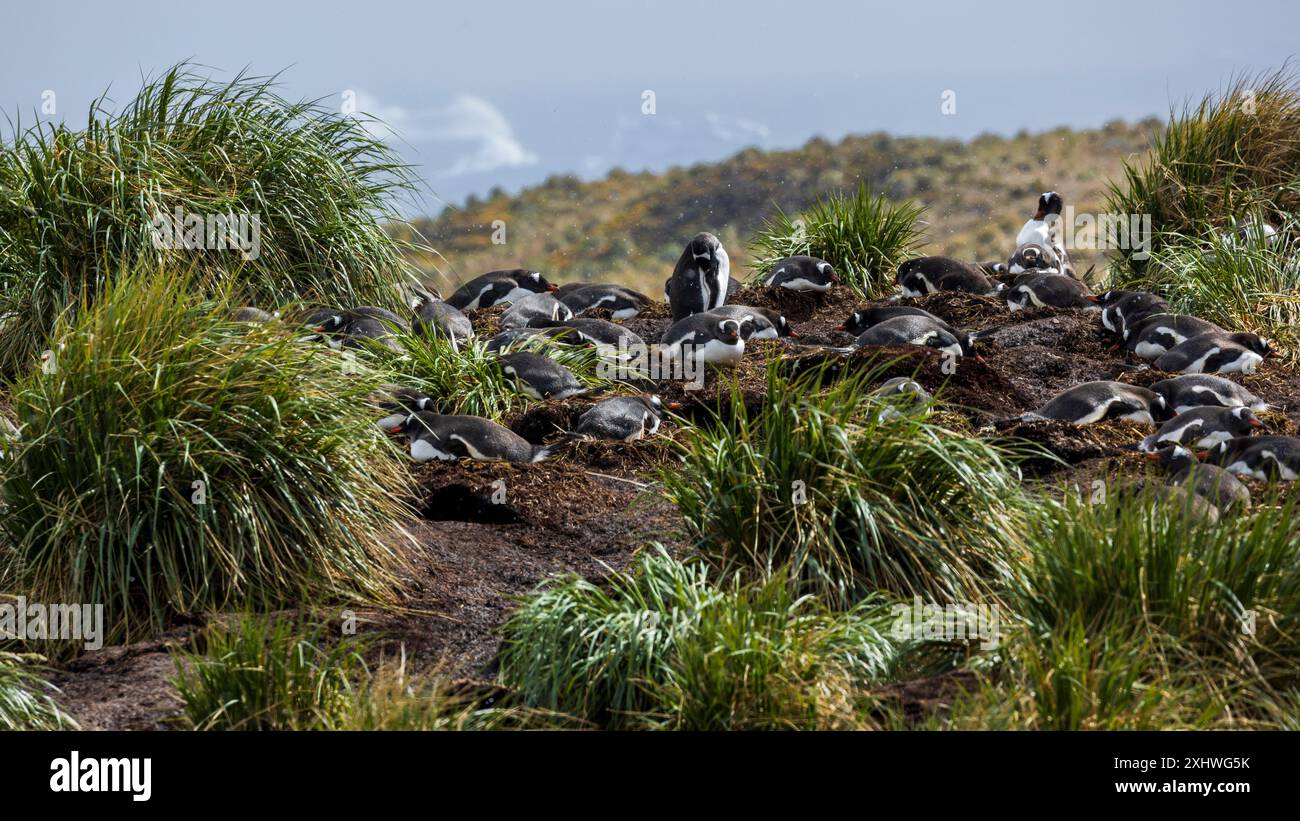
(1218, 160)
(863, 236)
(171, 461)
(25, 702)
(262, 673)
(849, 497)
(670, 645)
(1138, 614)
(77, 204)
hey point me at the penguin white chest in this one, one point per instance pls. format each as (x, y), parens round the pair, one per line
(422, 450)
(717, 352)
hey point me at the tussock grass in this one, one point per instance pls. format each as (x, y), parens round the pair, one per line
(849, 499)
(1218, 160)
(153, 390)
(75, 206)
(862, 235)
(25, 702)
(670, 645)
(1132, 614)
(260, 673)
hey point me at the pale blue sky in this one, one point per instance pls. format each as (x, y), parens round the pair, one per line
(507, 93)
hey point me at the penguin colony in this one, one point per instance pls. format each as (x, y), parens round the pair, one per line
(1203, 425)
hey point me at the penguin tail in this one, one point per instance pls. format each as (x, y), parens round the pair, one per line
(540, 454)
(1030, 416)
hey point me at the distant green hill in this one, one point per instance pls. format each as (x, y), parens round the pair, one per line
(631, 227)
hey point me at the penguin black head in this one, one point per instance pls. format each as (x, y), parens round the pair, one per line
(783, 327)
(1173, 458)
(1049, 202)
(729, 330)
(1245, 419)
(855, 324)
(1255, 343)
(531, 280)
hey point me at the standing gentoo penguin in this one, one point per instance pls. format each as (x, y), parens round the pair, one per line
(1259, 457)
(1157, 333)
(1217, 353)
(399, 403)
(1183, 393)
(917, 330)
(436, 319)
(1203, 427)
(1121, 310)
(625, 418)
(1216, 485)
(540, 376)
(437, 436)
(704, 338)
(925, 275)
(1095, 401)
(803, 273)
(624, 302)
(699, 282)
(534, 309)
(1041, 230)
(765, 323)
(488, 289)
(1049, 291)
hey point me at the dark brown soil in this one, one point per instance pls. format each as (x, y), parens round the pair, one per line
(594, 504)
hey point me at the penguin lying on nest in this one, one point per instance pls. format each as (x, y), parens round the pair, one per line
(1203, 427)
(1121, 310)
(926, 275)
(1154, 335)
(1183, 393)
(1219, 487)
(534, 309)
(705, 338)
(438, 319)
(448, 437)
(623, 418)
(1217, 352)
(625, 303)
(1094, 401)
(1049, 291)
(919, 330)
(1259, 457)
(361, 327)
(496, 287)
(861, 320)
(540, 377)
(763, 323)
(803, 273)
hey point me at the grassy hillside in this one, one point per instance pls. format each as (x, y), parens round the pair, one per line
(631, 227)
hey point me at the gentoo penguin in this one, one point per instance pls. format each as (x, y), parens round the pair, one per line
(1121, 310)
(534, 309)
(925, 275)
(1172, 497)
(446, 437)
(803, 273)
(864, 318)
(525, 337)
(1259, 457)
(250, 314)
(1041, 230)
(361, 327)
(1219, 487)
(608, 338)
(1095, 401)
(764, 323)
(704, 338)
(383, 315)
(915, 330)
(488, 289)
(1034, 258)
(398, 403)
(1217, 353)
(540, 376)
(699, 282)
(1049, 291)
(437, 319)
(1183, 393)
(624, 302)
(1157, 333)
(1203, 427)
(625, 418)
